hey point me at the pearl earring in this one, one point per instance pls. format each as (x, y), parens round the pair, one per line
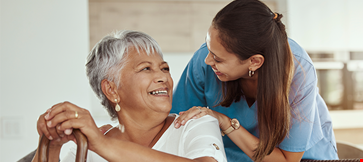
(117, 107)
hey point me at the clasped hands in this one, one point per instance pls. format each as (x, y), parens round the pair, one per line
(58, 122)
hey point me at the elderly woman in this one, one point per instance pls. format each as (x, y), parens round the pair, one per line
(127, 72)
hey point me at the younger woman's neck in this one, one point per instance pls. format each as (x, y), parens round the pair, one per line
(249, 87)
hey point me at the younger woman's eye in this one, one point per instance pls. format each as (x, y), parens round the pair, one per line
(215, 59)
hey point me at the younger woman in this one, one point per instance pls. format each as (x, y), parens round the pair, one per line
(260, 85)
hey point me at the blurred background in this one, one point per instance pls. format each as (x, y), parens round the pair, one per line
(44, 45)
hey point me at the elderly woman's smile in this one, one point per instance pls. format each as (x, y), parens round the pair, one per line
(159, 92)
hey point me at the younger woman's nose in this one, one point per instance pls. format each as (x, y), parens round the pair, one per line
(209, 60)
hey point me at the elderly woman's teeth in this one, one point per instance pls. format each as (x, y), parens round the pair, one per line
(158, 92)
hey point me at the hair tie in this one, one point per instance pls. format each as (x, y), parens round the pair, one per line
(276, 15)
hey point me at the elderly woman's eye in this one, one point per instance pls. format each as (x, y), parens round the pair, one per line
(147, 68)
(166, 69)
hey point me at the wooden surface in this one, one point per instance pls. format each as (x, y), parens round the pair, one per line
(178, 26)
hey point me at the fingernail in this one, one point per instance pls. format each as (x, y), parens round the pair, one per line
(183, 122)
(50, 138)
(58, 139)
(68, 131)
(61, 135)
(194, 117)
(49, 110)
(177, 125)
(49, 123)
(58, 127)
(46, 116)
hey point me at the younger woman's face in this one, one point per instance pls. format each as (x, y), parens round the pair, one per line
(227, 66)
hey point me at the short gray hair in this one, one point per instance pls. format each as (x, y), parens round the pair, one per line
(108, 57)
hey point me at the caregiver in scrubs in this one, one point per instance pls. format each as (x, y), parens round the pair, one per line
(260, 85)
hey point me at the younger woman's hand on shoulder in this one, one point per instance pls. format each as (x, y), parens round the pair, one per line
(194, 113)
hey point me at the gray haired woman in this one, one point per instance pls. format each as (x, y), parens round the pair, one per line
(127, 72)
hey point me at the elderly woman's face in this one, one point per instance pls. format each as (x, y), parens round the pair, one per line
(146, 84)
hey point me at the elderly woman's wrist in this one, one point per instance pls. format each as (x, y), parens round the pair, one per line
(102, 142)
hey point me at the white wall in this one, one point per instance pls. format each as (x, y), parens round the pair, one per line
(331, 25)
(43, 49)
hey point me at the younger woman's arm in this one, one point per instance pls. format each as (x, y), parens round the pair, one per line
(241, 137)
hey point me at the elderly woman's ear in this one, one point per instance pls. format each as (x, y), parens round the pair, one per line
(109, 88)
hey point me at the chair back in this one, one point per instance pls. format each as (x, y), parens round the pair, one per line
(348, 151)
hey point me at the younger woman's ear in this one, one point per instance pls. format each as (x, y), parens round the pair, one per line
(256, 61)
(109, 88)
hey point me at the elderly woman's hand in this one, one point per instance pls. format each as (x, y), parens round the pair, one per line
(196, 112)
(57, 138)
(62, 118)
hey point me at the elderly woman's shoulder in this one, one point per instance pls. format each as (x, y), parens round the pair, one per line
(206, 118)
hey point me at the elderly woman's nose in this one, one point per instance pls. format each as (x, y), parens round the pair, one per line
(161, 77)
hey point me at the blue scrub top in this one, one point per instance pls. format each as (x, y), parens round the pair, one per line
(311, 130)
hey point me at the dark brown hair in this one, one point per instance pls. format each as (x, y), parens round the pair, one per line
(246, 28)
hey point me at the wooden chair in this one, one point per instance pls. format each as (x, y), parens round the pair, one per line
(349, 151)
